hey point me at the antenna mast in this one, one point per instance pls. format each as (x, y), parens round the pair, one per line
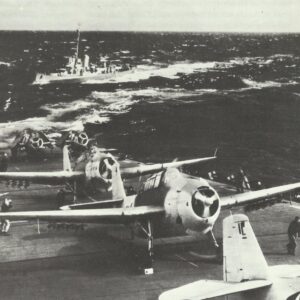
(77, 49)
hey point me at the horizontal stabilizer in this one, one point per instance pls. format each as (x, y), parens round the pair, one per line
(207, 289)
(105, 215)
(148, 169)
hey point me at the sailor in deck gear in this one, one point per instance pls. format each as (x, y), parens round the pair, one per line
(4, 162)
(239, 181)
(25, 137)
(293, 233)
(5, 207)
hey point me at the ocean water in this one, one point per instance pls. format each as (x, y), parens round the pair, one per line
(189, 94)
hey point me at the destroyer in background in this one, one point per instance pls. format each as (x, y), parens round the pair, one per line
(79, 70)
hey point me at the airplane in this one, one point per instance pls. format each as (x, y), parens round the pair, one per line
(76, 138)
(90, 176)
(166, 199)
(246, 274)
(28, 141)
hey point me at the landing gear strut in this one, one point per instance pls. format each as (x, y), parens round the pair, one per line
(147, 263)
(60, 198)
(211, 236)
(63, 196)
(218, 249)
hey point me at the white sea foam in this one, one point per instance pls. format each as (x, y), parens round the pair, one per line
(251, 60)
(59, 109)
(265, 84)
(98, 107)
(7, 104)
(3, 63)
(126, 98)
(282, 55)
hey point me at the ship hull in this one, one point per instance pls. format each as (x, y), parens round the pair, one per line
(73, 79)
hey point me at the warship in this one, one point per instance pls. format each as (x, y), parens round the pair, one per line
(80, 70)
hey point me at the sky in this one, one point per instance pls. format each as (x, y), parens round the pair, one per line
(152, 15)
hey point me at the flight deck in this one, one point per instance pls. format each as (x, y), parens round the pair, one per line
(38, 261)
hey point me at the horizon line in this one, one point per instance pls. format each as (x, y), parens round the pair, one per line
(152, 31)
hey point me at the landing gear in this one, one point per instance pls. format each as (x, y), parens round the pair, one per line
(211, 236)
(64, 195)
(74, 192)
(61, 198)
(218, 249)
(146, 261)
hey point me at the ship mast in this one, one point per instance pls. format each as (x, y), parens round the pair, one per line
(77, 49)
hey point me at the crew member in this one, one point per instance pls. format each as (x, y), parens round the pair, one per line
(25, 137)
(4, 162)
(5, 207)
(239, 181)
(293, 232)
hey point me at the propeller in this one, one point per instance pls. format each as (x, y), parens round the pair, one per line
(203, 202)
(83, 139)
(37, 142)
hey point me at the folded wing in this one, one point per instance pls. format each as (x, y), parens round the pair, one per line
(245, 267)
(243, 258)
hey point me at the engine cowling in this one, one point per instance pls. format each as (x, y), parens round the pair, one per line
(100, 168)
(196, 206)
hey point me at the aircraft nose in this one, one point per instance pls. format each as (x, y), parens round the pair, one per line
(205, 202)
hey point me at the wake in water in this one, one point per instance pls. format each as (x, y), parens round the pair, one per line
(99, 106)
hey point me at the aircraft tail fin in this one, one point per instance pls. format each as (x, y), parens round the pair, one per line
(118, 190)
(243, 259)
(66, 159)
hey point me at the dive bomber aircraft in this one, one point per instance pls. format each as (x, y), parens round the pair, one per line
(168, 197)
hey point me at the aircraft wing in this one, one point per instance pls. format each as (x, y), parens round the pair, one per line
(148, 169)
(55, 177)
(105, 215)
(208, 289)
(254, 196)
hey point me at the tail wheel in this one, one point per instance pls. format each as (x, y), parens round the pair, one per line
(83, 139)
(37, 143)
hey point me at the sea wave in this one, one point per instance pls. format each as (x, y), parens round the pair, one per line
(3, 63)
(129, 96)
(265, 84)
(98, 107)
